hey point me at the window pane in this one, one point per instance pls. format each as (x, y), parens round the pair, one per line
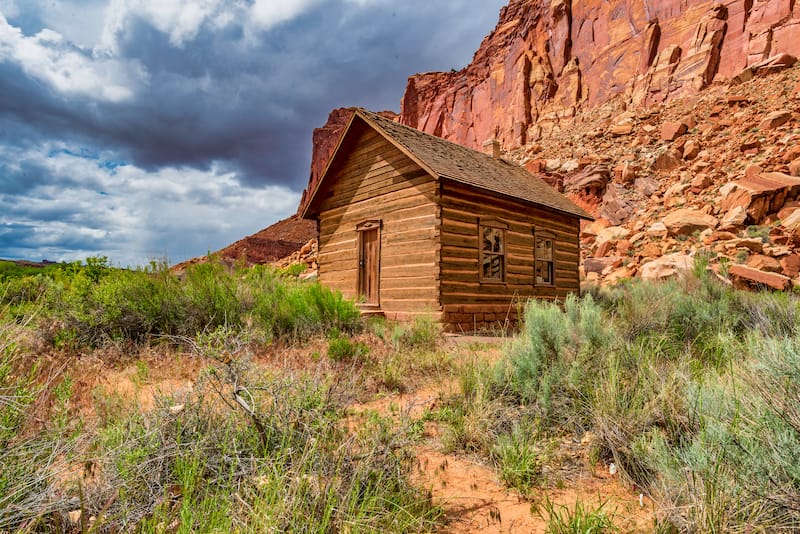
(492, 240)
(487, 240)
(493, 267)
(544, 249)
(544, 272)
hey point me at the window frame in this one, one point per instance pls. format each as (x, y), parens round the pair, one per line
(544, 234)
(495, 224)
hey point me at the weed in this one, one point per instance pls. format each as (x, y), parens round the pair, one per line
(579, 519)
(142, 374)
(342, 349)
(518, 459)
(421, 334)
(761, 232)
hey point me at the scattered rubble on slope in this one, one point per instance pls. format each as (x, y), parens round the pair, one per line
(717, 172)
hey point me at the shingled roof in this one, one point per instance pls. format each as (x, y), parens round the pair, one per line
(447, 160)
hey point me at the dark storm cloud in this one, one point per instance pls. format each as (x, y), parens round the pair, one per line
(231, 102)
(254, 104)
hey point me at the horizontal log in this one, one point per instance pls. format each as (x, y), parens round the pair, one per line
(403, 259)
(471, 195)
(380, 208)
(375, 187)
(425, 305)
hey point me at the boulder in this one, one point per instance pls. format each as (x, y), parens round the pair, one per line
(752, 244)
(552, 165)
(672, 130)
(591, 180)
(790, 265)
(603, 249)
(568, 166)
(658, 229)
(614, 207)
(625, 172)
(745, 277)
(621, 128)
(764, 263)
(734, 219)
(792, 222)
(690, 150)
(617, 275)
(667, 160)
(598, 265)
(794, 167)
(666, 266)
(762, 194)
(651, 250)
(775, 119)
(646, 186)
(686, 221)
(612, 233)
(591, 229)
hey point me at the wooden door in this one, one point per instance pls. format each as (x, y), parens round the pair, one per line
(369, 263)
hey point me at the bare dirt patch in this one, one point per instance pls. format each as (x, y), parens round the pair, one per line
(473, 497)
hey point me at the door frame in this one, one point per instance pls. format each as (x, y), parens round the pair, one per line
(373, 225)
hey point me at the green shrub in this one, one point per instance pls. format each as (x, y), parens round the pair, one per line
(550, 365)
(342, 349)
(689, 387)
(95, 304)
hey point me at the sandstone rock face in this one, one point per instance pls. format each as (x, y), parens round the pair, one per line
(548, 58)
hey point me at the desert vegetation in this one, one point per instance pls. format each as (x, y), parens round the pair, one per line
(244, 449)
(689, 388)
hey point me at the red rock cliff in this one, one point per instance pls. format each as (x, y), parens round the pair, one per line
(547, 58)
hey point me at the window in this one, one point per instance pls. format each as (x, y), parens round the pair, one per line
(544, 258)
(493, 251)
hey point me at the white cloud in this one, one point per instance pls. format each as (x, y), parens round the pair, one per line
(132, 215)
(9, 8)
(268, 13)
(48, 57)
(180, 19)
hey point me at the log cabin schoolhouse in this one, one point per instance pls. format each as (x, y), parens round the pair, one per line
(409, 223)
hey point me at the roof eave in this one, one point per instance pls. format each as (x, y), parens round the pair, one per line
(580, 213)
(400, 146)
(324, 174)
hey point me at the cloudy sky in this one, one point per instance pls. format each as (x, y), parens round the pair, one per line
(162, 129)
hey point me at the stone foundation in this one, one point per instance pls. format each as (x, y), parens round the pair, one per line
(469, 319)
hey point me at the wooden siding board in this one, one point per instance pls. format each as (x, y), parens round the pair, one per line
(380, 182)
(462, 209)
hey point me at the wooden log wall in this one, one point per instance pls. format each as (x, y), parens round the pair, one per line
(372, 179)
(469, 304)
